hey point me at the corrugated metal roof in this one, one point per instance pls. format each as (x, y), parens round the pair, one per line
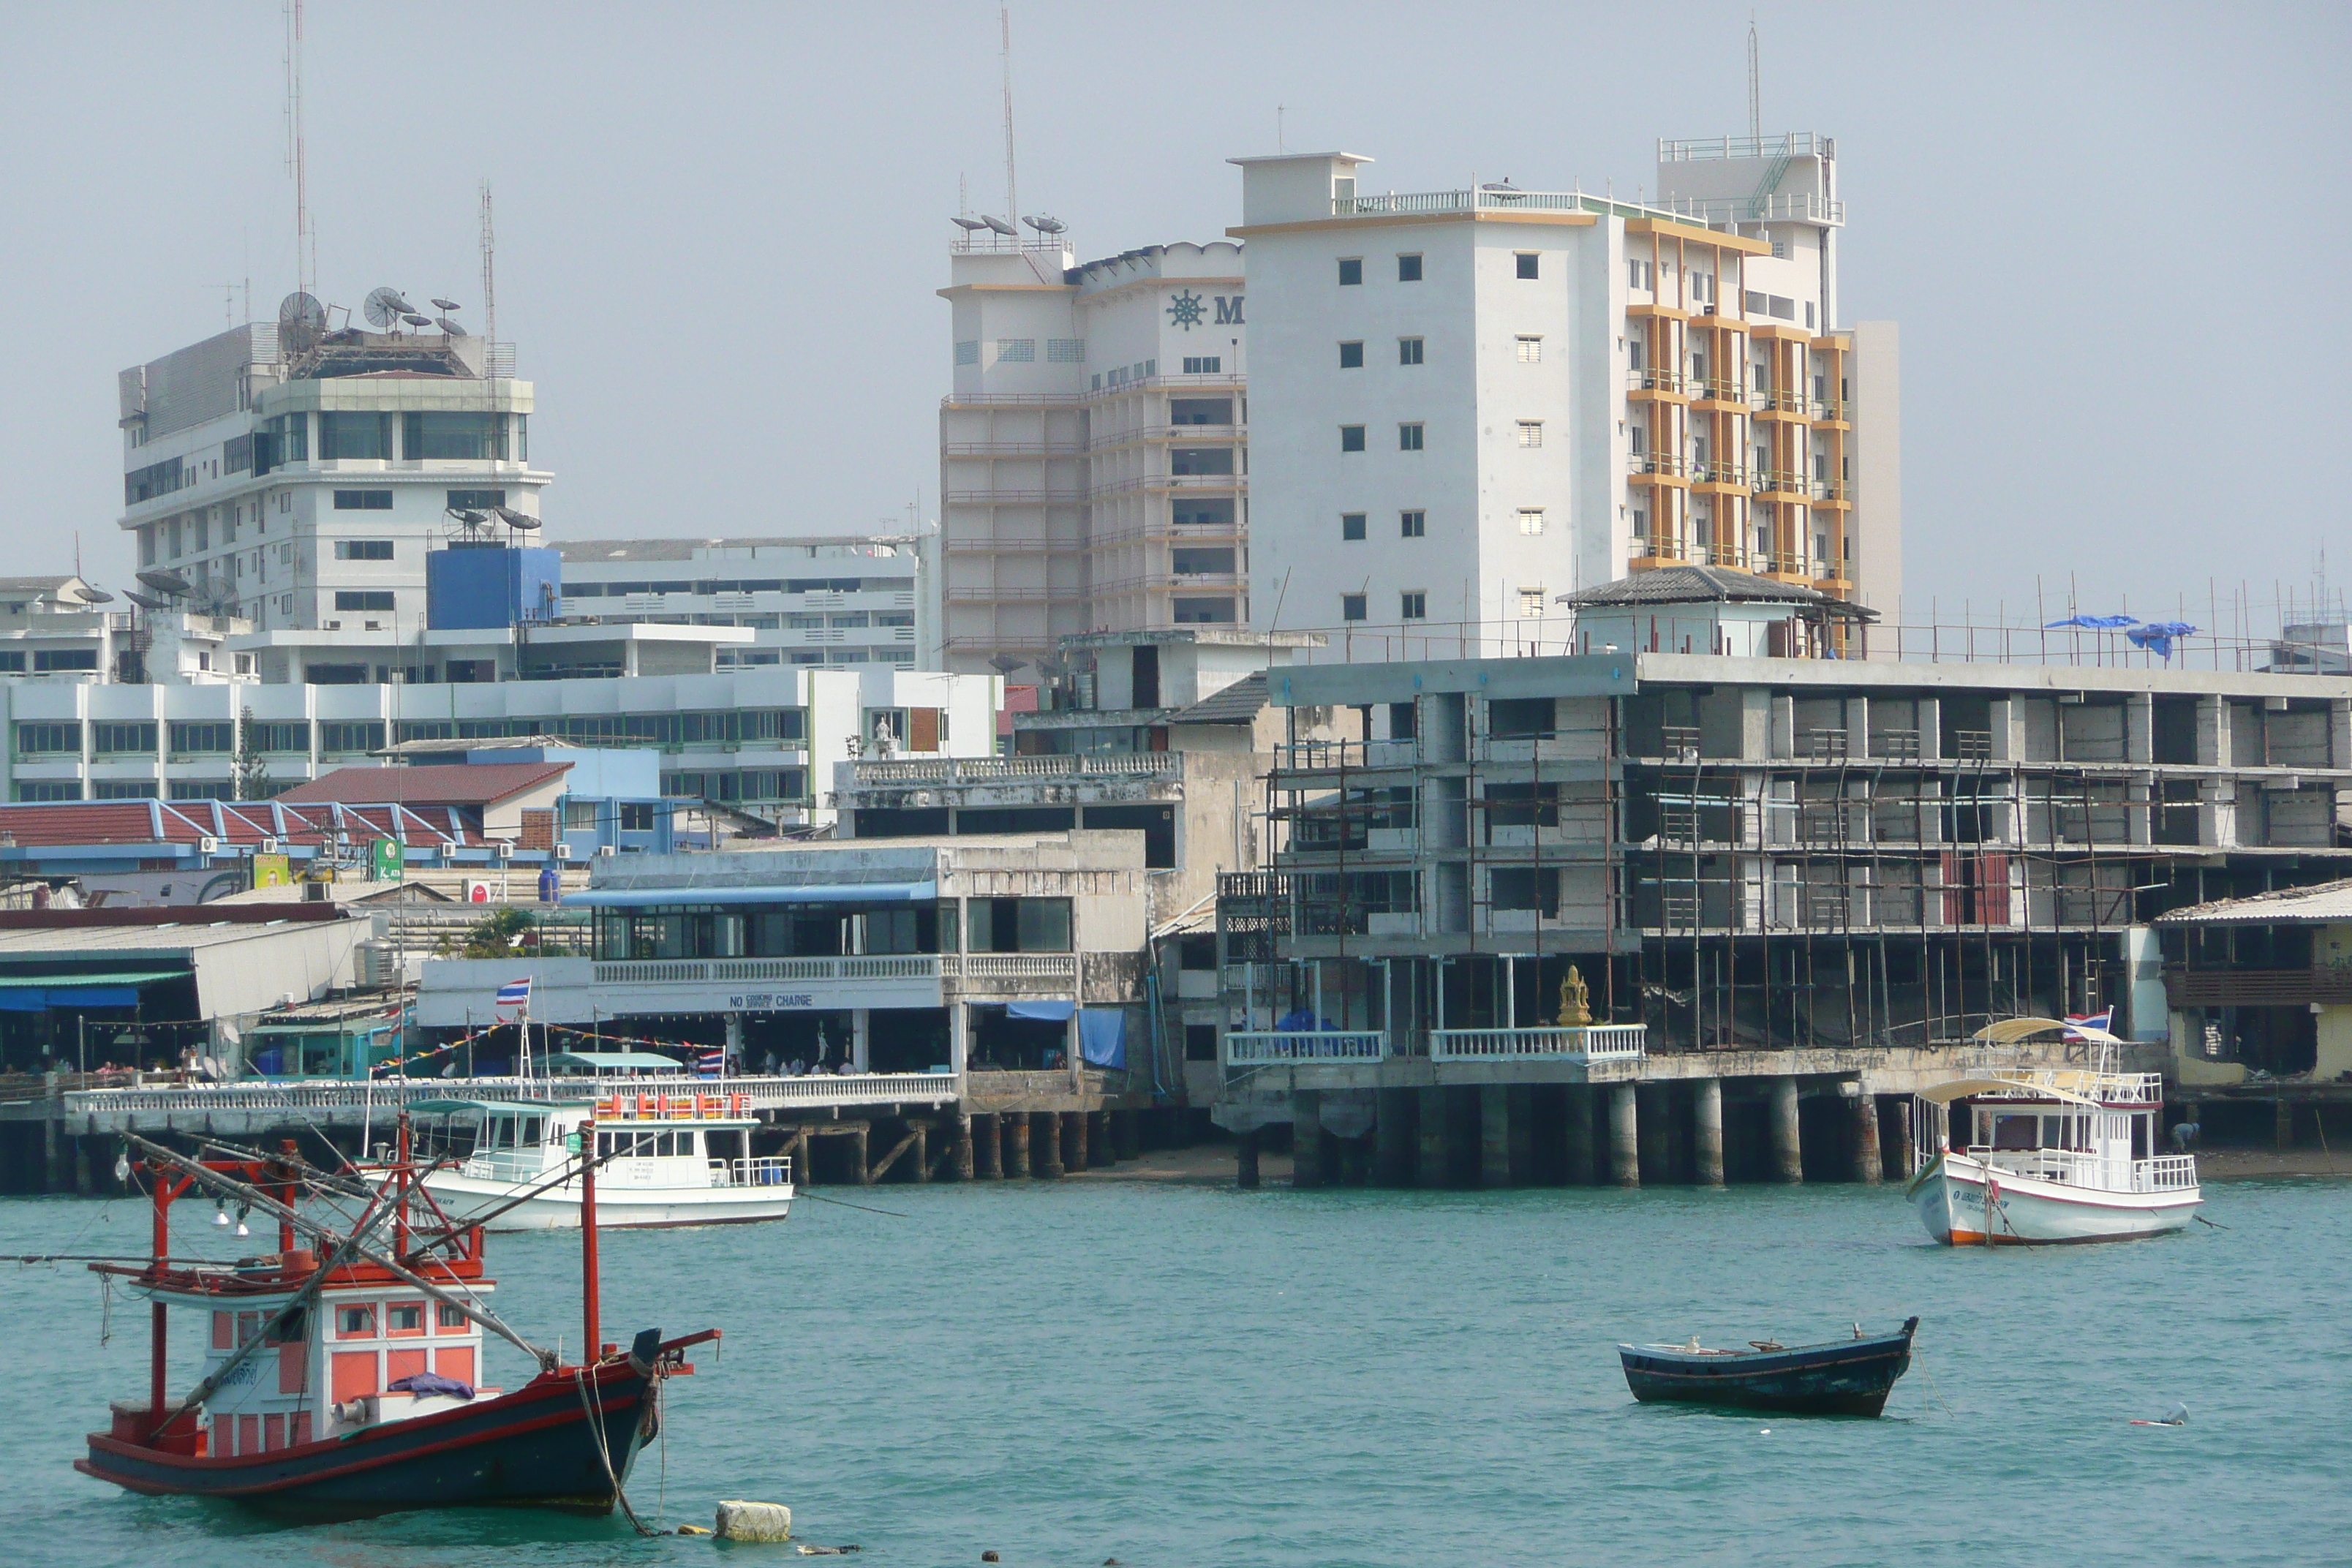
(1695, 585)
(69, 942)
(430, 785)
(1237, 704)
(2325, 904)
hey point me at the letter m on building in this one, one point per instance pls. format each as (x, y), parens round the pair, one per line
(1229, 311)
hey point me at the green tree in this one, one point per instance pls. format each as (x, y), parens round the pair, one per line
(250, 773)
(502, 933)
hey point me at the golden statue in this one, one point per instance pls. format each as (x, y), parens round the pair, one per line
(1575, 1001)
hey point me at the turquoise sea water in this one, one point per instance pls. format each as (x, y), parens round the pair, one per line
(1191, 1376)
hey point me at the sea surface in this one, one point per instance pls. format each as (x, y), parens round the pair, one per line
(1194, 1375)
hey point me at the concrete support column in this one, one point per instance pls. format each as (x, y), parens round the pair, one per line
(1906, 1153)
(1046, 1145)
(1577, 1136)
(963, 1151)
(1522, 1099)
(1650, 1133)
(1624, 1132)
(82, 1183)
(860, 1032)
(1788, 1151)
(1393, 1147)
(1493, 1135)
(2284, 1129)
(1098, 1144)
(1245, 1160)
(1869, 1160)
(1707, 1129)
(1307, 1138)
(991, 1131)
(1127, 1134)
(862, 1163)
(1074, 1141)
(1432, 1171)
(920, 1152)
(1017, 1143)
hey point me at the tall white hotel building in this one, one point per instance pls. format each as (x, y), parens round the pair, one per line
(1468, 402)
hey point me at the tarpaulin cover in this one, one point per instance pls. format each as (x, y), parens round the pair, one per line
(25, 999)
(1102, 1037)
(423, 1382)
(1045, 1012)
(2095, 623)
(2156, 636)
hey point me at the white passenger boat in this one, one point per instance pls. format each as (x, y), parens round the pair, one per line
(2053, 1155)
(674, 1159)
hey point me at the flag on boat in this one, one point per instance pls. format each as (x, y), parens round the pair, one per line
(514, 996)
(710, 1064)
(2077, 1022)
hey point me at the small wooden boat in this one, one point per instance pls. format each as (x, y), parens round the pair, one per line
(343, 1378)
(1842, 1377)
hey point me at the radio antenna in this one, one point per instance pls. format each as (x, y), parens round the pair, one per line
(489, 286)
(1011, 195)
(306, 243)
(1755, 102)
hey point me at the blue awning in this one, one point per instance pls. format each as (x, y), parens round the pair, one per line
(1043, 1012)
(787, 893)
(28, 999)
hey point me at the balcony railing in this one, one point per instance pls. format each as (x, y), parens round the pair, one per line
(1593, 1042)
(758, 1171)
(1653, 379)
(1667, 463)
(1281, 1047)
(1324, 755)
(2078, 1168)
(999, 770)
(726, 970)
(2257, 987)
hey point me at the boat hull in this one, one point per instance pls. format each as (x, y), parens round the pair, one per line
(618, 1207)
(1845, 1378)
(1951, 1197)
(537, 1447)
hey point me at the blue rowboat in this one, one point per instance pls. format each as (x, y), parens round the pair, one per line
(1843, 1377)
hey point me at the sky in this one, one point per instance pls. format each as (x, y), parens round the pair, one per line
(2113, 234)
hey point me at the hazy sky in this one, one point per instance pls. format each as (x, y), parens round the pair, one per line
(2115, 236)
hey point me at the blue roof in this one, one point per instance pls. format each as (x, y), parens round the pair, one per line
(781, 893)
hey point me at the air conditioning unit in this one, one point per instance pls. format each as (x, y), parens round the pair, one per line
(501, 849)
(564, 851)
(207, 845)
(607, 849)
(273, 846)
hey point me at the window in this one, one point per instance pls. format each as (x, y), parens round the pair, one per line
(363, 500)
(451, 1317)
(204, 535)
(1203, 365)
(1199, 1042)
(203, 789)
(1408, 437)
(1203, 563)
(1351, 438)
(890, 619)
(636, 817)
(475, 437)
(1201, 460)
(363, 549)
(354, 436)
(1408, 350)
(363, 599)
(1520, 717)
(1639, 274)
(108, 740)
(13, 662)
(1531, 519)
(1413, 605)
(1351, 272)
(1205, 612)
(1351, 606)
(354, 1322)
(1201, 512)
(1352, 356)
(1066, 350)
(967, 351)
(291, 736)
(1352, 525)
(352, 735)
(60, 660)
(1531, 888)
(405, 1316)
(1527, 260)
(1200, 411)
(1018, 350)
(1530, 432)
(1413, 524)
(1531, 600)
(58, 791)
(123, 789)
(1409, 268)
(1016, 925)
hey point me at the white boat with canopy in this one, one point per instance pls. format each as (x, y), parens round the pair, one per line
(669, 1159)
(2053, 1155)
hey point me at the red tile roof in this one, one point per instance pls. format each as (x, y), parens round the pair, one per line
(441, 785)
(242, 823)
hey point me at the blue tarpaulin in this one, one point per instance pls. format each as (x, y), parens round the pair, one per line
(1043, 1012)
(25, 999)
(2156, 636)
(2095, 623)
(1102, 1037)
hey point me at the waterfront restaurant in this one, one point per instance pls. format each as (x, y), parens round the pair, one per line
(891, 956)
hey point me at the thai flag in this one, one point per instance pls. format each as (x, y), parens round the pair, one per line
(514, 996)
(2077, 1022)
(710, 1064)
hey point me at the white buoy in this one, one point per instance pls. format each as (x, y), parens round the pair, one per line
(740, 1521)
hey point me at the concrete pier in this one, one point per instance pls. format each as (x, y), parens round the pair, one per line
(1576, 1136)
(1707, 1129)
(1521, 1104)
(1046, 1145)
(1246, 1159)
(990, 1131)
(1906, 1153)
(1624, 1134)
(964, 1161)
(1650, 1136)
(1393, 1147)
(1307, 1139)
(1127, 1134)
(1493, 1135)
(1869, 1162)
(1433, 1140)
(1788, 1147)
(1074, 1141)
(1017, 1143)
(1099, 1150)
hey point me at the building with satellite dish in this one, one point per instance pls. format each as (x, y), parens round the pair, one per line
(294, 474)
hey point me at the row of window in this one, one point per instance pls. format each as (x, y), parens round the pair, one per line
(990, 925)
(49, 660)
(744, 586)
(344, 435)
(1412, 605)
(1410, 437)
(218, 737)
(1528, 264)
(738, 784)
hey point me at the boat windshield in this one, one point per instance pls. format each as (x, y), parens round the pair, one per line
(458, 1134)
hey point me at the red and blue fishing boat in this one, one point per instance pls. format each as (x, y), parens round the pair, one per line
(342, 1374)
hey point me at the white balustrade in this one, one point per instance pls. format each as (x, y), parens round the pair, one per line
(1593, 1042)
(1277, 1048)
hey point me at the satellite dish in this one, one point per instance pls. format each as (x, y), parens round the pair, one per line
(1006, 664)
(416, 320)
(302, 321)
(93, 594)
(144, 602)
(1001, 227)
(512, 518)
(445, 305)
(384, 306)
(1046, 223)
(970, 225)
(1503, 189)
(171, 584)
(450, 327)
(468, 519)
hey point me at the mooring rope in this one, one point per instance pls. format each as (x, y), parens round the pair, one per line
(595, 1414)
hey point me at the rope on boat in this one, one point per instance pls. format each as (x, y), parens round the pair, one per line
(861, 1208)
(595, 1414)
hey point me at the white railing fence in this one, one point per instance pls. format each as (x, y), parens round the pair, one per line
(1279, 1047)
(1593, 1042)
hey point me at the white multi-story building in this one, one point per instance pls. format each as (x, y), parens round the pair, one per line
(1093, 454)
(300, 485)
(832, 601)
(1469, 402)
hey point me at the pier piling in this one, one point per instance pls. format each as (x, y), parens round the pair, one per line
(1074, 1138)
(1493, 1135)
(858, 1141)
(1127, 1134)
(1869, 1160)
(1651, 1139)
(1046, 1145)
(1707, 1129)
(988, 1133)
(1017, 1143)
(1576, 1135)
(1246, 1159)
(1100, 1149)
(963, 1151)
(1788, 1149)
(1307, 1139)
(1431, 1172)
(1624, 1132)
(1392, 1138)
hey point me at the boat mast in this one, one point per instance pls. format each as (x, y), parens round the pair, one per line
(590, 1328)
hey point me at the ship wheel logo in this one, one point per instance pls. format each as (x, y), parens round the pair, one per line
(1184, 311)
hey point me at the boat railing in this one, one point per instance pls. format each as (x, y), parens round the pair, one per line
(2165, 1173)
(758, 1171)
(2116, 1089)
(2080, 1168)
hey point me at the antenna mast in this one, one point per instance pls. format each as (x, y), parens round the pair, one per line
(489, 286)
(306, 243)
(1755, 110)
(1012, 197)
